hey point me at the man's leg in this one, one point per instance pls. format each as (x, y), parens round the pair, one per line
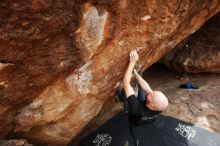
(122, 98)
(141, 94)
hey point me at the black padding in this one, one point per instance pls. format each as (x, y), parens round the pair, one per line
(165, 131)
(115, 132)
(186, 132)
(147, 135)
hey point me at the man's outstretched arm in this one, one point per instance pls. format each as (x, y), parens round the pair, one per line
(127, 78)
(144, 85)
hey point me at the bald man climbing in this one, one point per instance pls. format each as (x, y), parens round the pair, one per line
(148, 105)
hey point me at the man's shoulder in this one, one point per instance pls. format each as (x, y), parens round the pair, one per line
(132, 98)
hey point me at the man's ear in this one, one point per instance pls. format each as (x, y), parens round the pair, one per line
(151, 106)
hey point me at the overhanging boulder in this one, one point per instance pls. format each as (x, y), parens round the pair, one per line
(200, 52)
(61, 60)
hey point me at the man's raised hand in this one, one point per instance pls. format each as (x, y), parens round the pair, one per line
(134, 56)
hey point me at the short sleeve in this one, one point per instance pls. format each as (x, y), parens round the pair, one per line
(134, 105)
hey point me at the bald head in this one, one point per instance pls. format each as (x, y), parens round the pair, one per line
(158, 101)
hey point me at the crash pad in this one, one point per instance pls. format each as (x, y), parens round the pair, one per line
(165, 131)
(115, 132)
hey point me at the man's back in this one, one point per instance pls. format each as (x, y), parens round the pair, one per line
(139, 114)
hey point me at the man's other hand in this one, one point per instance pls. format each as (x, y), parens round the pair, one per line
(133, 56)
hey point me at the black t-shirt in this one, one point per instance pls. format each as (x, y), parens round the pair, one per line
(139, 113)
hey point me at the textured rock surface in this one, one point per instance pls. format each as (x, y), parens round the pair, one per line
(200, 52)
(19, 142)
(60, 60)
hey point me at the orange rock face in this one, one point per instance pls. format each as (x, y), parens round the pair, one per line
(200, 52)
(61, 60)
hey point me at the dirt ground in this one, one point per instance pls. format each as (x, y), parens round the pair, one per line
(198, 106)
